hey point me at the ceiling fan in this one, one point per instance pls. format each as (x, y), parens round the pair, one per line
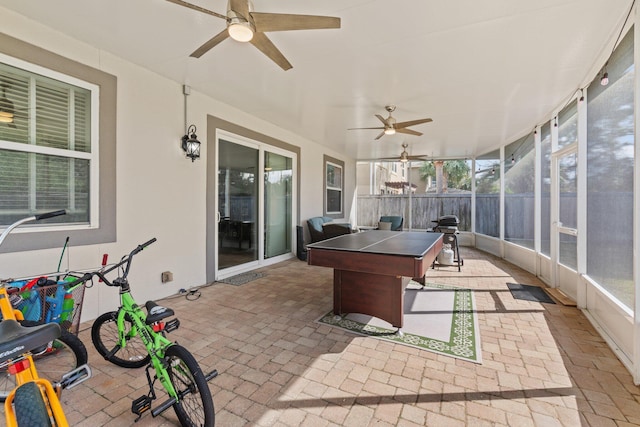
(245, 25)
(391, 126)
(405, 157)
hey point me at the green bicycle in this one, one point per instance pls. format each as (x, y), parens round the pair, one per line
(175, 367)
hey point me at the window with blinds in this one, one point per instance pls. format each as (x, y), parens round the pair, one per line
(333, 187)
(46, 146)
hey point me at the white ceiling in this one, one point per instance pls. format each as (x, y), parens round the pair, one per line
(486, 71)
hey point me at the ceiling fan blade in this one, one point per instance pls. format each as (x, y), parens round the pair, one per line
(412, 123)
(266, 46)
(365, 128)
(241, 7)
(409, 131)
(380, 136)
(213, 42)
(285, 22)
(397, 158)
(382, 119)
(198, 8)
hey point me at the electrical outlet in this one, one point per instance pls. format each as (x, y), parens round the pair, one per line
(167, 276)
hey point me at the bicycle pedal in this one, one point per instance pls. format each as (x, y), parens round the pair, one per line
(141, 405)
(113, 351)
(164, 406)
(171, 325)
(76, 376)
(211, 375)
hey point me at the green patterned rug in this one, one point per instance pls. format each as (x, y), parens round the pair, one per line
(437, 318)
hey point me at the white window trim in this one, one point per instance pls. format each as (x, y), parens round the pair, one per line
(93, 156)
(340, 189)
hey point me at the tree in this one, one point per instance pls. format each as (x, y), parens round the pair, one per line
(447, 173)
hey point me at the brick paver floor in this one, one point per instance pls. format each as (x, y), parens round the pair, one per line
(543, 364)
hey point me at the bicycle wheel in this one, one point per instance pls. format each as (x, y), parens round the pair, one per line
(104, 334)
(53, 361)
(195, 404)
(29, 406)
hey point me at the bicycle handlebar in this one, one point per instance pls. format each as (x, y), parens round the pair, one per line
(101, 273)
(134, 252)
(28, 219)
(86, 276)
(142, 246)
(50, 214)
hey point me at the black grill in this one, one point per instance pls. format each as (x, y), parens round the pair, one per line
(447, 224)
(448, 221)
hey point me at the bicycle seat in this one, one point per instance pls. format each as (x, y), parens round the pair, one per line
(156, 312)
(16, 339)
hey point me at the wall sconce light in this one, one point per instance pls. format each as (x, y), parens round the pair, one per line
(190, 143)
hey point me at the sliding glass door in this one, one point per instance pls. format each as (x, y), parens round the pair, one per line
(255, 204)
(237, 204)
(278, 196)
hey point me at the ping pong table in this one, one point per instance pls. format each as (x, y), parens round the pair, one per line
(373, 268)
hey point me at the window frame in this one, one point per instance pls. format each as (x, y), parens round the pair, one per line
(33, 71)
(340, 165)
(494, 160)
(519, 154)
(104, 230)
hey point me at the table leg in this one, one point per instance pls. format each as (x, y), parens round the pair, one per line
(373, 294)
(420, 280)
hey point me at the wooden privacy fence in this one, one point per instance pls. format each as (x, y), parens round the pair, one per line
(424, 209)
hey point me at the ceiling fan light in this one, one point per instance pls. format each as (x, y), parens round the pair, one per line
(404, 156)
(6, 111)
(389, 131)
(240, 30)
